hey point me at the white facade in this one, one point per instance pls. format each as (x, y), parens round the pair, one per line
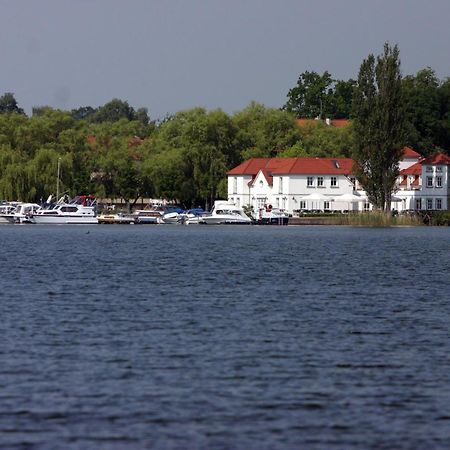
(422, 185)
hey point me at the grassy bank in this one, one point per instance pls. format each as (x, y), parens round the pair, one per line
(366, 219)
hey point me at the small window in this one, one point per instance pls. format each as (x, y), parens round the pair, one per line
(429, 203)
(429, 169)
(438, 182)
(438, 169)
(235, 185)
(319, 181)
(366, 206)
(430, 182)
(302, 204)
(280, 187)
(418, 203)
(333, 181)
(438, 203)
(310, 182)
(326, 205)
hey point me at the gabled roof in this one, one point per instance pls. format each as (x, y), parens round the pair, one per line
(408, 152)
(299, 166)
(415, 169)
(436, 159)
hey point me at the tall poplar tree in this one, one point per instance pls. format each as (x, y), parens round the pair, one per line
(379, 126)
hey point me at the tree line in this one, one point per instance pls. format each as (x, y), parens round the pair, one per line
(117, 151)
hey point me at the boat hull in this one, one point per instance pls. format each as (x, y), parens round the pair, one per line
(64, 220)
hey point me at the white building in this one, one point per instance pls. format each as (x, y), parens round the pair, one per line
(327, 184)
(425, 185)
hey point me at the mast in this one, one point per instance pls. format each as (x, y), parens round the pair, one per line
(57, 179)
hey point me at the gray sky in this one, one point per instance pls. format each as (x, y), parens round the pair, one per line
(169, 55)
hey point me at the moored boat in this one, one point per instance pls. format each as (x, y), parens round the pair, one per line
(271, 216)
(81, 210)
(224, 212)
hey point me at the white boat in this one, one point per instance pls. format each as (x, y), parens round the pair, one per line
(25, 211)
(147, 216)
(119, 219)
(170, 218)
(7, 211)
(271, 216)
(81, 210)
(224, 212)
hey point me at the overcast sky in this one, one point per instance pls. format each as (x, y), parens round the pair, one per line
(169, 55)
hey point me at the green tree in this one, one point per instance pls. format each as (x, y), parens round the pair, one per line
(310, 98)
(264, 132)
(113, 111)
(379, 127)
(443, 134)
(8, 104)
(422, 110)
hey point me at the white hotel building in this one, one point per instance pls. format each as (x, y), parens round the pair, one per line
(327, 184)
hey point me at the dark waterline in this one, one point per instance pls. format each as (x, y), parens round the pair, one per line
(228, 337)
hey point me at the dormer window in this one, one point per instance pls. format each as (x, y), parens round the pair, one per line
(429, 169)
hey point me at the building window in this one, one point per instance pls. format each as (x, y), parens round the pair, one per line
(326, 205)
(438, 169)
(438, 181)
(238, 201)
(366, 206)
(333, 181)
(418, 203)
(429, 169)
(261, 202)
(353, 181)
(429, 203)
(310, 182)
(235, 185)
(302, 204)
(280, 187)
(320, 182)
(430, 182)
(277, 202)
(284, 202)
(438, 203)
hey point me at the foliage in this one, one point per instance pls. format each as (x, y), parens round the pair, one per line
(320, 96)
(8, 104)
(264, 132)
(379, 126)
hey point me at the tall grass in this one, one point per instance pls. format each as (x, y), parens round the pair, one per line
(377, 219)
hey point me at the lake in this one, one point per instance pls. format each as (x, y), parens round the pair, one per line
(226, 337)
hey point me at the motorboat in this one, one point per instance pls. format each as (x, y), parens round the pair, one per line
(25, 211)
(170, 218)
(80, 210)
(192, 216)
(271, 216)
(224, 212)
(117, 219)
(147, 216)
(7, 211)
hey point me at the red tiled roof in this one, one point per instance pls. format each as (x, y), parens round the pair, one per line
(437, 158)
(415, 169)
(408, 152)
(339, 123)
(249, 167)
(303, 122)
(284, 166)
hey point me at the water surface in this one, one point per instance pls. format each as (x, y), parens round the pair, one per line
(195, 337)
